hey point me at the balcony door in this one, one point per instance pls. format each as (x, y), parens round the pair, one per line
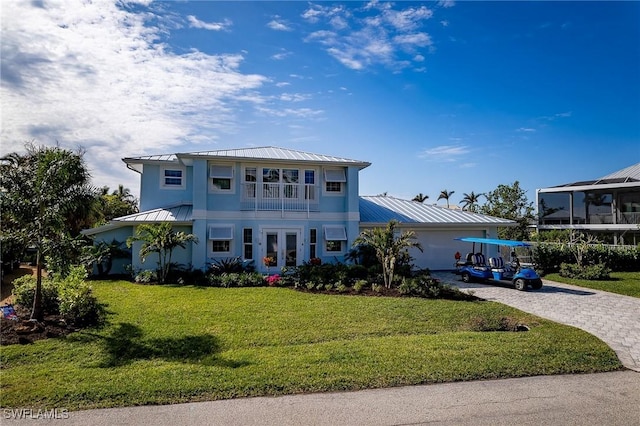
(282, 246)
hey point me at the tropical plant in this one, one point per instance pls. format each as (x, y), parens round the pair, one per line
(421, 198)
(470, 201)
(42, 190)
(510, 202)
(102, 254)
(388, 246)
(160, 238)
(446, 195)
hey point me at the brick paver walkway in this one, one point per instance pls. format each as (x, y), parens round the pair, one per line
(613, 318)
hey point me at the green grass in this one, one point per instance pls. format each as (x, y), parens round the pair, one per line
(169, 344)
(627, 283)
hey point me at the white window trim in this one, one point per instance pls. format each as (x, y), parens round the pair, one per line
(182, 169)
(223, 237)
(218, 171)
(335, 175)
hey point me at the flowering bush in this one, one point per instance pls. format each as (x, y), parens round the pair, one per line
(269, 261)
(273, 280)
(315, 261)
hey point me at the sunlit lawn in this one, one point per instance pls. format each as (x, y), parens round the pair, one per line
(167, 344)
(627, 283)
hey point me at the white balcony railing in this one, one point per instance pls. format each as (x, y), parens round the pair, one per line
(279, 196)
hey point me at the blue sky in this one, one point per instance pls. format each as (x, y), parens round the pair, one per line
(462, 95)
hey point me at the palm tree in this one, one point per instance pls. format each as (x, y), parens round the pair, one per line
(445, 194)
(160, 238)
(421, 198)
(41, 191)
(388, 246)
(471, 201)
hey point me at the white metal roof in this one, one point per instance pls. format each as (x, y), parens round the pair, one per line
(260, 153)
(177, 214)
(628, 177)
(628, 173)
(273, 153)
(381, 209)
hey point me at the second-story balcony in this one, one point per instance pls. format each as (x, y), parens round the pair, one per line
(279, 197)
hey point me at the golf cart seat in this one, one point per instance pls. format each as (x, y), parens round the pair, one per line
(479, 260)
(497, 264)
(469, 259)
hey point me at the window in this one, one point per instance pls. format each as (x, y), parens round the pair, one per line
(250, 179)
(270, 183)
(221, 177)
(334, 180)
(310, 181)
(334, 236)
(172, 178)
(247, 241)
(290, 177)
(313, 241)
(220, 237)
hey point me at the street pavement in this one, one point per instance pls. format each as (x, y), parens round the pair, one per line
(613, 318)
(611, 399)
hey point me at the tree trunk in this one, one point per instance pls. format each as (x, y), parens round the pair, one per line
(36, 311)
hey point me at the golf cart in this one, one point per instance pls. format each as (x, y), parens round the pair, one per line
(475, 267)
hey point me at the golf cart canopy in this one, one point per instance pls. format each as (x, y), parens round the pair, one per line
(494, 241)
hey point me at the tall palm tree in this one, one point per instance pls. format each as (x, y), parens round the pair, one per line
(388, 247)
(445, 194)
(421, 198)
(471, 201)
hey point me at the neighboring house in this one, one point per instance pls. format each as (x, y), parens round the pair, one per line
(608, 208)
(287, 205)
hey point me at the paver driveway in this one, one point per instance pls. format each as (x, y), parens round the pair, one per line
(613, 318)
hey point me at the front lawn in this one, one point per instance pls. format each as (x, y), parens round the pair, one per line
(627, 283)
(167, 344)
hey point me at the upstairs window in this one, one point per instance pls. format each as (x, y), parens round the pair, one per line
(221, 177)
(334, 180)
(172, 178)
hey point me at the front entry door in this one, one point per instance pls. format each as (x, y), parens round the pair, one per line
(281, 245)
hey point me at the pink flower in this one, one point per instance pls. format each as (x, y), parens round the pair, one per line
(273, 280)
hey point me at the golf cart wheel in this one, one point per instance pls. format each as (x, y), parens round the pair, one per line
(466, 277)
(520, 284)
(536, 284)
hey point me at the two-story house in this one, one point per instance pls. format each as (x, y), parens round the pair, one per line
(286, 205)
(608, 207)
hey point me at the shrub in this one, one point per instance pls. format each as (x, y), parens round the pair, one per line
(24, 290)
(71, 297)
(146, 276)
(359, 285)
(590, 272)
(227, 265)
(78, 305)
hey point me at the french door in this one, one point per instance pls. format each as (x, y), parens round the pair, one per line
(282, 247)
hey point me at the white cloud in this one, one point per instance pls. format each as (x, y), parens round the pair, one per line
(95, 74)
(380, 33)
(278, 24)
(444, 152)
(526, 129)
(212, 26)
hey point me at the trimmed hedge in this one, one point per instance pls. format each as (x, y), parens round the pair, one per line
(548, 257)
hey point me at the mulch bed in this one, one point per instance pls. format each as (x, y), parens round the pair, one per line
(24, 331)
